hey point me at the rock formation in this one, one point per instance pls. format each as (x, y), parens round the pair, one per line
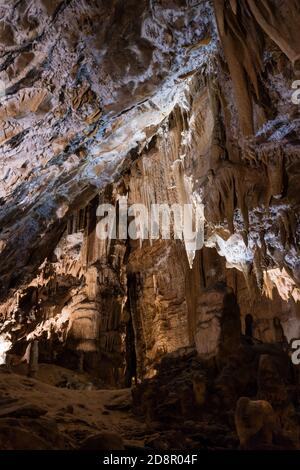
(135, 104)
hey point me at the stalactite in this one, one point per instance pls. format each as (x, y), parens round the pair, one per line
(271, 20)
(257, 268)
(243, 48)
(227, 191)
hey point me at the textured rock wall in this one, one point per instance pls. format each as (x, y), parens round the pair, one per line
(82, 85)
(161, 102)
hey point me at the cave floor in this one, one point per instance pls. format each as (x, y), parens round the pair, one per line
(61, 417)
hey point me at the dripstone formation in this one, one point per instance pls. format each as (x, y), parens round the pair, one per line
(121, 342)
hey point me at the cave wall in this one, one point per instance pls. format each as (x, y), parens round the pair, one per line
(191, 114)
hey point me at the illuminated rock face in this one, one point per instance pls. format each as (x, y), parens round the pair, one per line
(162, 103)
(82, 85)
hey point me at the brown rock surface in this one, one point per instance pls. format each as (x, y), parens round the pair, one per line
(149, 102)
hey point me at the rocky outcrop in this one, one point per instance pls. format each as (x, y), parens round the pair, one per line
(218, 326)
(84, 86)
(146, 103)
(255, 423)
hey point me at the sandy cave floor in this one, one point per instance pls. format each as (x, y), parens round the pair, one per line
(77, 413)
